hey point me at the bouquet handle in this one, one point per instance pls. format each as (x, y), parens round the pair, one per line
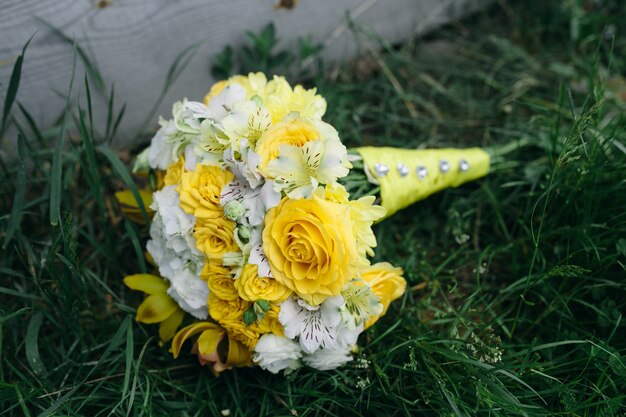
(406, 176)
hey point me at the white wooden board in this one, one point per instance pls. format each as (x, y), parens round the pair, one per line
(134, 42)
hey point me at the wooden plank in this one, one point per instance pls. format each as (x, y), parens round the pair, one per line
(133, 42)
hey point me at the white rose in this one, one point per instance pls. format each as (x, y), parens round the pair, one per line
(327, 359)
(275, 353)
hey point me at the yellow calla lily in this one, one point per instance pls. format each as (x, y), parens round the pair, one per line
(158, 307)
(130, 207)
(214, 347)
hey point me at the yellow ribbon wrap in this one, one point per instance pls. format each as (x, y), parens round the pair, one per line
(409, 175)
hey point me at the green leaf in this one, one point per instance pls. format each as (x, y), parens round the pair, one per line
(31, 344)
(14, 83)
(57, 159)
(249, 316)
(123, 173)
(20, 188)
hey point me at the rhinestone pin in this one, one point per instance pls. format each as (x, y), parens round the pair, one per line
(381, 169)
(463, 165)
(422, 172)
(444, 166)
(403, 170)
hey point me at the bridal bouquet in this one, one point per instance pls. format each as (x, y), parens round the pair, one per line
(258, 248)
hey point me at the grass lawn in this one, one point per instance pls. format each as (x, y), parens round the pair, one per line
(517, 281)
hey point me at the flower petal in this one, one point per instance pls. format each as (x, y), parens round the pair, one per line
(156, 308)
(150, 284)
(168, 327)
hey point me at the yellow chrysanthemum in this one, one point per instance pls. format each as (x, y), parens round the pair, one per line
(363, 213)
(281, 100)
(200, 191)
(158, 307)
(215, 237)
(252, 287)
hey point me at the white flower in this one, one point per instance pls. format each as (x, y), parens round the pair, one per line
(244, 167)
(275, 353)
(299, 170)
(256, 255)
(221, 105)
(327, 359)
(177, 225)
(162, 153)
(255, 200)
(190, 292)
(314, 326)
(173, 249)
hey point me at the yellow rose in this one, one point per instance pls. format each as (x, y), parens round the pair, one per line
(270, 323)
(215, 237)
(227, 310)
(252, 287)
(294, 131)
(200, 191)
(281, 100)
(386, 282)
(237, 329)
(174, 172)
(311, 247)
(219, 281)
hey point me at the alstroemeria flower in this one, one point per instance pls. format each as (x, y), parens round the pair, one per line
(299, 170)
(315, 326)
(158, 307)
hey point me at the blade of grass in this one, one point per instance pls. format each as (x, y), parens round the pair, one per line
(14, 83)
(91, 67)
(57, 161)
(31, 344)
(181, 61)
(20, 189)
(123, 173)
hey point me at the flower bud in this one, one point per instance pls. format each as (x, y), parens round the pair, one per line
(233, 210)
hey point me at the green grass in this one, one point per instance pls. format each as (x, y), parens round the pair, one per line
(518, 281)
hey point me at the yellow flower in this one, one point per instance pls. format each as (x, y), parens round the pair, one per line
(200, 191)
(215, 237)
(213, 347)
(130, 207)
(311, 247)
(229, 313)
(227, 310)
(174, 172)
(363, 213)
(215, 90)
(252, 287)
(219, 281)
(386, 282)
(293, 130)
(158, 307)
(281, 100)
(238, 330)
(255, 84)
(270, 323)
